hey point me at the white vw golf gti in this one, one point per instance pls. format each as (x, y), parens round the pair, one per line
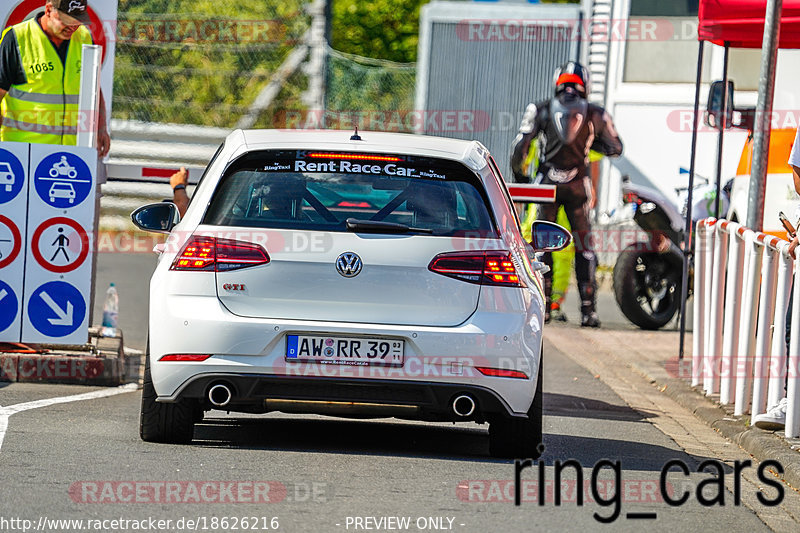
(380, 275)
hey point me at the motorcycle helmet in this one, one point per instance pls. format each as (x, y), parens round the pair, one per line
(572, 77)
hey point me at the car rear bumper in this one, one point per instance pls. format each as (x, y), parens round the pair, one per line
(418, 400)
(445, 356)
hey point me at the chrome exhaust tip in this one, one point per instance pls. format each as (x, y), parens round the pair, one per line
(220, 395)
(463, 405)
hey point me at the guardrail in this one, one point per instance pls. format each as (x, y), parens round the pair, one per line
(145, 143)
(143, 157)
(150, 172)
(742, 284)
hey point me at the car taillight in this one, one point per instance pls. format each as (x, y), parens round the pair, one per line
(346, 203)
(209, 254)
(362, 157)
(485, 268)
(186, 357)
(501, 372)
(198, 254)
(232, 255)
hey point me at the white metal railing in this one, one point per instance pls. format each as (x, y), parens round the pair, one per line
(742, 281)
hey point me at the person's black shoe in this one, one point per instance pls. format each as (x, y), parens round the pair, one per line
(590, 320)
(558, 315)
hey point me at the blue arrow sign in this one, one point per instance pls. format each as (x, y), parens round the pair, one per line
(63, 180)
(56, 309)
(12, 176)
(8, 306)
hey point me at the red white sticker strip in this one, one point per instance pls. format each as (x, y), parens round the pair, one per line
(527, 192)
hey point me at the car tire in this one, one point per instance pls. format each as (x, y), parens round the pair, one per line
(171, 423)
(516, 438)
(630, 289)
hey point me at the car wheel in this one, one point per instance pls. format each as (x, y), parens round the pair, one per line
(512, 438)
(171, 423)
(647, 286)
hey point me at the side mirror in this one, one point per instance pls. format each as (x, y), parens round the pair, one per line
(713, 115)
(158, 218)
(549, 237)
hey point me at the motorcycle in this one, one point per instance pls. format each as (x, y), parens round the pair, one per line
(647, 275)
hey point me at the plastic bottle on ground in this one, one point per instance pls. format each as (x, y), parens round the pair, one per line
(110, 313)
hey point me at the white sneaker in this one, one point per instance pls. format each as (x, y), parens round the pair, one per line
(774, 419)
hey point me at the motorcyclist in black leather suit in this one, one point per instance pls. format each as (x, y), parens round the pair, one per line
(567, 127)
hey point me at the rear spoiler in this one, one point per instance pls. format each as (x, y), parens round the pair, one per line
(529, 193)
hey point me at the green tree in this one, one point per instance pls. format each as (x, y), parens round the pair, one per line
(183, 77)
(382, 29)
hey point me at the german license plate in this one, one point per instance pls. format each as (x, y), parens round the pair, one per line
(344, 350)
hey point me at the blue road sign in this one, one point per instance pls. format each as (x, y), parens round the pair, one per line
(56, 309)
(63, 180)
(12, 176)
(9, 306)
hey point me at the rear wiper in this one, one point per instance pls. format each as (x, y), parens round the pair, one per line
(374, 226)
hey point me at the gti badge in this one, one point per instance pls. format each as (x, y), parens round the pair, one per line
(348, 264)
(234, 287)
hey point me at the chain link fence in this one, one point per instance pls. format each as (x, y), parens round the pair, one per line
(203, 62)
(372, 93)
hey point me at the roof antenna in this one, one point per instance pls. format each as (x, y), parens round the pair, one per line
(355, 136)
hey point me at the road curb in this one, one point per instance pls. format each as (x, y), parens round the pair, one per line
(69, 369)
(616, 352)
(102, 362)
(8, 367)
(762, 445)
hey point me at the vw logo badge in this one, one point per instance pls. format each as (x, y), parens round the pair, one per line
(348, 264)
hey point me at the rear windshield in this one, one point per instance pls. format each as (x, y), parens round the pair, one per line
(321, 191)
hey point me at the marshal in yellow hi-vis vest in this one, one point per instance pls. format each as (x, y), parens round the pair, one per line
(44, 110)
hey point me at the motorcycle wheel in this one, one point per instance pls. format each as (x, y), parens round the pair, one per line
(647, 287)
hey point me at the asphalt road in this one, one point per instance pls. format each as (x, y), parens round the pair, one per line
(82, 460)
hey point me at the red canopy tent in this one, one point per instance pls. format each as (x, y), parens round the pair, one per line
(740, 23)
(737, 24)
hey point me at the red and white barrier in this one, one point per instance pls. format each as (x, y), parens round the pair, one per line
(529, 192)
(150, 173)
(742, 280)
